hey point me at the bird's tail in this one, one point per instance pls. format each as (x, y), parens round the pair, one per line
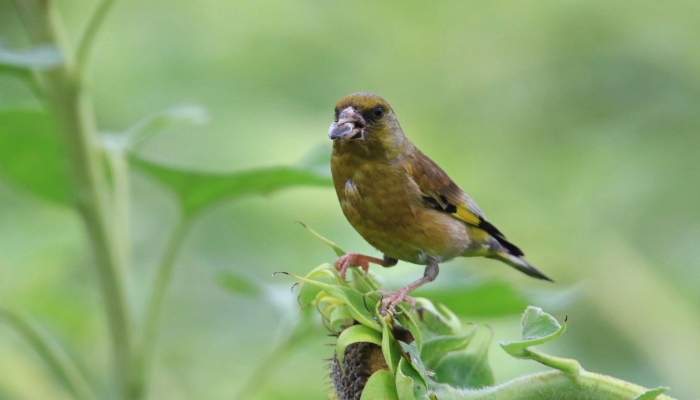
(520, 264)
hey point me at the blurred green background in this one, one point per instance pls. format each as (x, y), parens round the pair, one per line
(574, 124)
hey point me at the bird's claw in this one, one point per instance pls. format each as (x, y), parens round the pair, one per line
(350, 260)
(392, 299)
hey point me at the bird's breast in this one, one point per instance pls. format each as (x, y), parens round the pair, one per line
(384, 205)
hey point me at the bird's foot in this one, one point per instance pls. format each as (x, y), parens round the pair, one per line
(392, 299)
(354, 260)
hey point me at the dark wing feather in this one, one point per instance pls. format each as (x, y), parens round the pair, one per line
(441, 193)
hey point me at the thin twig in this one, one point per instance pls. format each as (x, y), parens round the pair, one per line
(84, 47)
(151, 324)
(55, 358)
(119, 167)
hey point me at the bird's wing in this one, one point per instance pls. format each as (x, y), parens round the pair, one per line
(441, 193)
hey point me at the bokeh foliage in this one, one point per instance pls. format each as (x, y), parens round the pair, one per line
(574, 125)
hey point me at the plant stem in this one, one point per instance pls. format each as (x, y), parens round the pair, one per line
(82, 53)
(151, 324)
(119, 167)
(264, 370)
(74, 116)
(291, 332)
(56, 359)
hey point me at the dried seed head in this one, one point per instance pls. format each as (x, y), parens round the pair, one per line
(361, 360)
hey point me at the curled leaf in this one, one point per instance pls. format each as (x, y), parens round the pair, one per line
(380, 386)
(437, 347)
(355, 334)
(345, 295)
(409, 384)
(442, 322)
(339, 317)
(537, 327)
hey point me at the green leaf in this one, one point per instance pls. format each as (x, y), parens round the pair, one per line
(380, 386)
(466, 369)
(327, 272)
(356, 302)
(38, 57)
(408, 320)
(436, 348)
(409, 384)
(651, 394)
(404, 386)
(31, 155)
(442, 322)
(355, 334)
(412, 355)
(360, 305)
(339, 316)
(361, 283)
(186, 114)
(390, 349)
(197, 190)
(238, 283)
(537, 327)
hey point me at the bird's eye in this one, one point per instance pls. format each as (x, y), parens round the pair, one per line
(337, 111)
(378, 111)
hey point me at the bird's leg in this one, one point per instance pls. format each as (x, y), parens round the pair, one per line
(392, 299)
(388, 261)
(353, 259)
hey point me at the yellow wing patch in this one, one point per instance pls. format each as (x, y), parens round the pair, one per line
(466, 216)
(477, 235)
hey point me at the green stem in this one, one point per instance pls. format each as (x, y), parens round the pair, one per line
(155, 306)
(56, 359)
(74, 115)
(262, 373)
(290, 335)
(551, 385)
(82, 54)
(120, 217)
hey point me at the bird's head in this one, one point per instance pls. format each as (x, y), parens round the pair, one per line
(366, 120)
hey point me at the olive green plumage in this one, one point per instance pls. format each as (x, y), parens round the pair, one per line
(399, 200)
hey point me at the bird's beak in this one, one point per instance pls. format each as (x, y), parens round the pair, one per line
(350, 125)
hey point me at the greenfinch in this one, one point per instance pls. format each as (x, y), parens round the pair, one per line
(401, 202)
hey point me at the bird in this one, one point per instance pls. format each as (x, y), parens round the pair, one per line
(402, 203)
